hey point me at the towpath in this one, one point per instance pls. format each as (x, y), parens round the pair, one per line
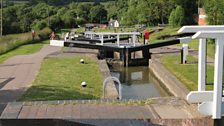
(17, 73)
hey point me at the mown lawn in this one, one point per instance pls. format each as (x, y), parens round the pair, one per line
(210, 47)
(165, 31)
(60, 79)
(24, 50)
(187, 73)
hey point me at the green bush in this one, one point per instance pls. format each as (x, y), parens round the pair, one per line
(9, 42)
(44, 34)
(176, 18)
(172, 19)
(39, 25)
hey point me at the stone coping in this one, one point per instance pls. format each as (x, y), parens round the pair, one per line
(177, 88)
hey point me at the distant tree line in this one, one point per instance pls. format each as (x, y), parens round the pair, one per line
(215, 11)
(38, 14)
(24, 17)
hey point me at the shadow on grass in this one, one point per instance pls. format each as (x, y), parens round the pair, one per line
(211, 84)
(46, 92)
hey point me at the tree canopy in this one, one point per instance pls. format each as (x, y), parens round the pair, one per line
(37, 14)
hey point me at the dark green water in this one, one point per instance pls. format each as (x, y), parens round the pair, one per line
(138, 82)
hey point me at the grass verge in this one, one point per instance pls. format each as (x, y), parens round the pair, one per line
(193, 44)
(13, 41)
(187, 73)
(165, 31)
(60, 78)
(23, 50)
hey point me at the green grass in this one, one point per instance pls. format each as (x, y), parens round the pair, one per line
(81, 29)
(12, 41)
(23, 50)
(188, 73)
(193, 44)
(113, 30)
(165, 31)
(60, 79)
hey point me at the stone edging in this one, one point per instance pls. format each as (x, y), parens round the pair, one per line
(174, 86)
(111, 91)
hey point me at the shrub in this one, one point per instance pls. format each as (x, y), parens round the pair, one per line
(176, 18)
(44, 34)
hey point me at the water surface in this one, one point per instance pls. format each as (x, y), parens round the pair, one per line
(137, 82)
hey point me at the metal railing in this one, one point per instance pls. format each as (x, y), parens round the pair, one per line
(116, 80)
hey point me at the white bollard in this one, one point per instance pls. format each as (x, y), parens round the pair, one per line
(83, 84)
(185, 53)
(82, 61)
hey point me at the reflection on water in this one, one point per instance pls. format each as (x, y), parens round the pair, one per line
(137, 82)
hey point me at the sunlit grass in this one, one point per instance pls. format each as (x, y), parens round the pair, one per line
(187, 73)
(60, 79)
(12, 41)
(165, 31)
(193, 44)
(23, 50)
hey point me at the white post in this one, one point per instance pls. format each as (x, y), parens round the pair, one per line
(134, 39)
(215, 107)
(202, 65)
(202, 50)
(101, 39)
(118, 40)
(217, 97)
(185, 53)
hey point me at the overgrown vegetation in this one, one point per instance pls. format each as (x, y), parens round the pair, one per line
(24, 50)
(60, 79)
(13, 41)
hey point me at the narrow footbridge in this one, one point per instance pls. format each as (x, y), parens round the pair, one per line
(126, 50)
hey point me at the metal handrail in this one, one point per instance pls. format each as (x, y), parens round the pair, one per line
(114, 79)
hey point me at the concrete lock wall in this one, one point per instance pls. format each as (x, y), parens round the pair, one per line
(57, 43)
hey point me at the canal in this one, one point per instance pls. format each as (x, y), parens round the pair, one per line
(138, 82)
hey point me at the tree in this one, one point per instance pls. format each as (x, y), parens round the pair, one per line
(112, 11)
(215, 12)
(26, 17)
(10, 20)
(69, 19)
(179, 16)
(98, 14)
(172, 19)
(130, 16)
(190, 10)
(142, 12)
(83, 11)
(56, 22)
(176, 18)
(39, 25)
